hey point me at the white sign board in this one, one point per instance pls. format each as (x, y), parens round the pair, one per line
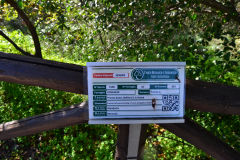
(136, 92)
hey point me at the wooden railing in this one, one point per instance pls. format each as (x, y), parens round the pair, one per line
(202, 96)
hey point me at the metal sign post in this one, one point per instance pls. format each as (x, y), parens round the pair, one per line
(135, 93)
(133, 141)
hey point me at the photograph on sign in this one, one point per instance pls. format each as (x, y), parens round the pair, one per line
(125, 92)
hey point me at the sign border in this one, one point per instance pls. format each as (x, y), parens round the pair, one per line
(135, 120)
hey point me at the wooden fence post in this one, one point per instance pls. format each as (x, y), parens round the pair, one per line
(122, 142)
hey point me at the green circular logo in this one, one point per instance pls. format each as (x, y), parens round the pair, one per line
(137, 74)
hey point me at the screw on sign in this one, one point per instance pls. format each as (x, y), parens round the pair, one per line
(154, 103)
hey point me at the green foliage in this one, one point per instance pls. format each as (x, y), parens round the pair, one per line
(165, 145)
(77, 142)
(24, 41)
(83, 31)
(226, 127)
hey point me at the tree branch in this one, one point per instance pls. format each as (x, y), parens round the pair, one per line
(231, 12)
(173, 7)
(100, 36)
(30, 26)
(14, 44)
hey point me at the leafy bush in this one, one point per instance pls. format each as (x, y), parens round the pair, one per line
(76, 32)
(77, 142)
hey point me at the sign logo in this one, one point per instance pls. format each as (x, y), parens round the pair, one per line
(154, 74)
(137, 74)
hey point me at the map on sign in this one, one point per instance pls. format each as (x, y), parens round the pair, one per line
(134, 90)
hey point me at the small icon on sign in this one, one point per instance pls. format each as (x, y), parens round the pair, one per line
(137, 74)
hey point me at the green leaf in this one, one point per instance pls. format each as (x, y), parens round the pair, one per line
(194, 16)
(226, 57)
(20, 3)
(68, 8)
(91, 40)
(2, 2)
(146, 20)
(130, 13)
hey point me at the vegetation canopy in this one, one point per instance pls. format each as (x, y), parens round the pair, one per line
(204, 33)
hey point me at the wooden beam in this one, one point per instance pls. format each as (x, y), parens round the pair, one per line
(212, 97)
(202, 139)
(38, 72)
(144, 135)
(202, 96)
(122, 142)
(75, 114)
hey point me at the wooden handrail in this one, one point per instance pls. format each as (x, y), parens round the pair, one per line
(75, 114)
(44, 73)
(202, 96)
(78, 114)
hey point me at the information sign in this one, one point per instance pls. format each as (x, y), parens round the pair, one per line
(136, 92)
